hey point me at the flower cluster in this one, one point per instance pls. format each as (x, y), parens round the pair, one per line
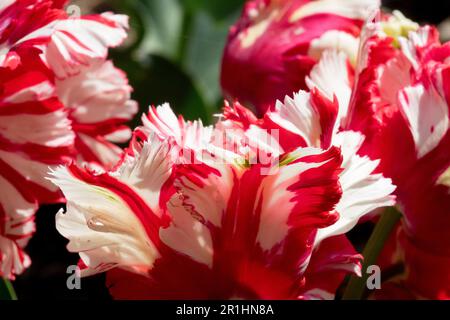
(60, 100)
(245, 216)
(391, 83)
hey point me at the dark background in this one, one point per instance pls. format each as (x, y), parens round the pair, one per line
(173, 55)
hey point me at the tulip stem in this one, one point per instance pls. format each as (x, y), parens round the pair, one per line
(357, 285)
(6, 290)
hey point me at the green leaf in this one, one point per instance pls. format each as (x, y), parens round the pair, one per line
(168, 82)
(204, 53)
(157, 80)
(177, 53)
(162, 22)
(218, 9)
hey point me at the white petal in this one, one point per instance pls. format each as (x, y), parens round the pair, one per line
(39, 91)
(277, 205)
(14, 204)
(78, 42)
(148, 172)
(6, 3)
(426, 113)
(264, 140)
(331, 77)
(108, 153)
(12, 260)
(99, 93)
(119, 136)
(362, 191)
(51, 129)
(101, 227)
(187, 235)
(163, 121)
(354, 9)
(208, 198)
(335, 40)
(31, 170)
(298, 116)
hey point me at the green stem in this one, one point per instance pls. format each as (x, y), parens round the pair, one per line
(357, 285)
(6, 290)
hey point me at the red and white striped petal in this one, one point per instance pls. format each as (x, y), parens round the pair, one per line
(301, 194)
(148, 172)
(113, 219)
(330, 262)
(98, 94)
(339, 85)
(97, 151)
(67, 44)
(206, 189)
(298, 116)
(416, 43)
(25, 25)
(98, 100)
(33, 171)
(271, 215)
(363, 191)
(163, 122)
(104, 222)
(427, 115)
(239, 135)
(50, 129)
(35, 132)
(13, 261)
(186, 234)
(16, 228)
(310, 115)
(77, 42)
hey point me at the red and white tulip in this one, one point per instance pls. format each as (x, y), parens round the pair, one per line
(35, 133)
(60, 100)
(235, 226)
(400, 102)
(275, 43)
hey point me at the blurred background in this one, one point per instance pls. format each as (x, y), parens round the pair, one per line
(173, 55)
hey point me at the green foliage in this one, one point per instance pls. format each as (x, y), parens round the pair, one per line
(174, 52)
(218, 9)
(203, 54)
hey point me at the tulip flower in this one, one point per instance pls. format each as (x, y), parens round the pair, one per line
(236, 224)
(275, 44)
(401, 104)
(35, 133)
(60, 100)
(397, 91)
